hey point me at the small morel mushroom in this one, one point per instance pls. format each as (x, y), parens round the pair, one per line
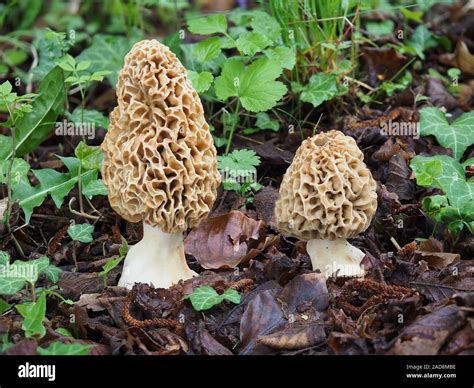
(160, 162)
(327, 196)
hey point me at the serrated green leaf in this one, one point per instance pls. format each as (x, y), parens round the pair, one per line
(81, 232)
(250, 43)
(458, 136)
(208, 49)
(255, 85)
(321, 87)
(216, 23)
(283, 56)
(201, 81)
(266, 25)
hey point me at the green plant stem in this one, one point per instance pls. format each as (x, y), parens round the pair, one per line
(232, 128)
(9, 186)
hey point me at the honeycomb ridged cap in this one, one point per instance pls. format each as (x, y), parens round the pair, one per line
(160, 162)
(327, 192)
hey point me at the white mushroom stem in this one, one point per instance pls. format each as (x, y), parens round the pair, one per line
(331, 256)
(158, 259)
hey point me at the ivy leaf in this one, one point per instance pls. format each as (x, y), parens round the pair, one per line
(283, 56)
(216, 23)
(34, 315)
(208, 49)
(205, 297)
(450, 178)
(255, 85)
(458, 136)
(58, 348)
(4, 306)
(11, 285)
(81, 232)
(321, 87)
(250, 43)
(200, 81)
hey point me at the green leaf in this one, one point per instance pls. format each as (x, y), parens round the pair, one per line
(91, 157)
(458, 136)
(34, 127)
(383, 28)
(58, 184)
(265, 122)
(58, 348)
(200, 81)
(251, 43)
(421, 40)
(239, 160)
(93, 188)
(208, 49)
(81, 232)
(412, 15)
(216, 23)
(34, 318)
(451, 179)
(51, 183)
(19, 171)
(107, 53)
(4, 306)
(15, 57)
(321, 87)
(90, 116)
(110, 265)
(205, 297)
(283, 56)
(266, 25)
(254, 85)
(11, 285)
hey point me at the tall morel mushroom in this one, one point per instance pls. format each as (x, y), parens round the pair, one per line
(327, 196)
(160, 162)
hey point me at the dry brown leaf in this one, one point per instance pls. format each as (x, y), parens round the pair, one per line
(461, 58)
(225, 241)
(438, 260)
(295, 337)
(427, 334)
